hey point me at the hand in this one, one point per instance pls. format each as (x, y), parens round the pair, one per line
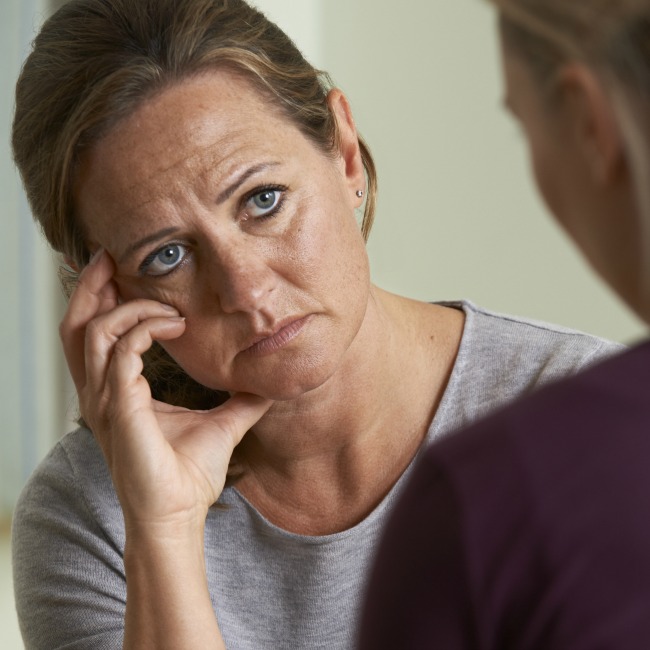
(168, 463)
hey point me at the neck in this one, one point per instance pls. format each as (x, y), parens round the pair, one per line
(321, 462)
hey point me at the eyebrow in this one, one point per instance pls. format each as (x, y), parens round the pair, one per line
(221, 198)
(165, 232)
(242, 178)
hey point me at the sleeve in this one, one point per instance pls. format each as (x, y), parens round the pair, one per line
(418, 595)
(69, 578)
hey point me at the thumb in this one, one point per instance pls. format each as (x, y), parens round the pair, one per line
(240, 413)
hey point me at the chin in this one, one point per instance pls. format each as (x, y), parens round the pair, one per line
(288, 385)
(280, 381)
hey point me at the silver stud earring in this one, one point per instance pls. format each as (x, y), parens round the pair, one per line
(359, 193)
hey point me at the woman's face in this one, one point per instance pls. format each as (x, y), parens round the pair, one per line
(210, 201)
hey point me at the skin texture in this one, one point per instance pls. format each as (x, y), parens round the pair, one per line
(334, 381)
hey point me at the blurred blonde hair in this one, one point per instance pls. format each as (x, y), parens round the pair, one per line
(611, 36)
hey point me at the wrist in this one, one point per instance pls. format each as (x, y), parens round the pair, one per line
(156, 542)
(168, 600)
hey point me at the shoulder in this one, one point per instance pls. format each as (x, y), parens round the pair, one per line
(70, 493)
(509, 336)
(73, 472)
(503, 357)
(67, 547)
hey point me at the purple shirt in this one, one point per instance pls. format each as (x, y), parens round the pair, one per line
(529, 530)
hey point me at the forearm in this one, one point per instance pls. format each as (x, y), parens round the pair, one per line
(168, 603)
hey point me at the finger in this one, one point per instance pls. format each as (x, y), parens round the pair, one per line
(123, 374)
(95, 294)
(210, 437)
(103, 333)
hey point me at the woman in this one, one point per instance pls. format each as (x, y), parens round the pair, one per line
(530, 529)
(206, 179)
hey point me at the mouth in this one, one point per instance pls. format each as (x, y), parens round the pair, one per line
(279, 337)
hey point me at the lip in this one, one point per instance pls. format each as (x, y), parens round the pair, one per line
(285, 332)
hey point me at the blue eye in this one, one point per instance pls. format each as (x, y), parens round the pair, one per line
(264, 203)
(164, 260)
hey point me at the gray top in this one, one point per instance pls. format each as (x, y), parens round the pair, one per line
(271, 589)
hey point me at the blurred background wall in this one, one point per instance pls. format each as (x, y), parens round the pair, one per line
(32, 403)
(457, 217)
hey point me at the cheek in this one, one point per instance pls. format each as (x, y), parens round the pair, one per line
(332, 254)
(173, 293)
(198, 344)
(200, 358)
(207, 347)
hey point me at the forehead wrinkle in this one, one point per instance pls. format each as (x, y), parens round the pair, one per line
(184, 160)
(204, 164)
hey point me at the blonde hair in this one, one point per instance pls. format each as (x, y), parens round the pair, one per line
(612, 36)
(95, 61)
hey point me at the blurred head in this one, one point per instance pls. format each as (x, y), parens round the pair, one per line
(577, 78)
(95, 61)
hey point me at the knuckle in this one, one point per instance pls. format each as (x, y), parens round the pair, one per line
(94, 329)
(123, 346)
(67, 324)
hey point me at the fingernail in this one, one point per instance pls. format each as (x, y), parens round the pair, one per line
(95, 258)
(180, 319)
(168, 307)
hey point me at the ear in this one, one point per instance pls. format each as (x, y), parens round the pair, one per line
(593, 122)
(348, 144)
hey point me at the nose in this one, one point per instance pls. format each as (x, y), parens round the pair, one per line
(242, 277)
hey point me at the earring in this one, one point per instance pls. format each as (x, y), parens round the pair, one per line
(359, 193)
